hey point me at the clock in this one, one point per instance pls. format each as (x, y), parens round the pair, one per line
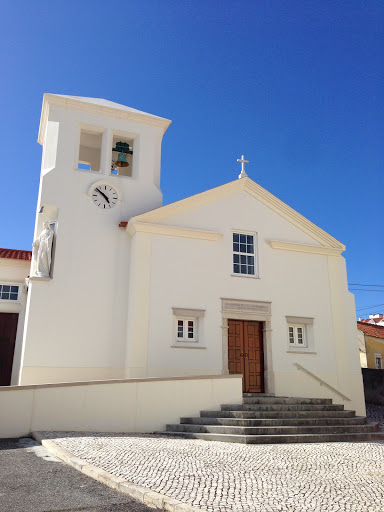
(104, 196)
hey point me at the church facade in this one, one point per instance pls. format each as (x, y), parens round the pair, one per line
(231, 280)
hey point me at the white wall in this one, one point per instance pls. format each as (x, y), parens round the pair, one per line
(137, 405)
(14, 272)
(76, 322)
(107, 312)
(196, 274)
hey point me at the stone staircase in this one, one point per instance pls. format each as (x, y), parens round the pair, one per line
(263, 419)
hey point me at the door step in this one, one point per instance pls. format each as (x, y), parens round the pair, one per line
(270, 422)
(275, 430)
(270, 419)
(278, 414)
(282, 407)
(278, 439)
(286, 401)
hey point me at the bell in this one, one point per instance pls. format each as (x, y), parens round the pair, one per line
(121, 160)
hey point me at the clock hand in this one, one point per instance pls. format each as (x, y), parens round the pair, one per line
(105, 197)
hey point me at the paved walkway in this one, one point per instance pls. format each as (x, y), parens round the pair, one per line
(33, 480)
(227, 477)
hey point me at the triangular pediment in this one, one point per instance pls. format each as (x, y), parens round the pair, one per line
(171, 211)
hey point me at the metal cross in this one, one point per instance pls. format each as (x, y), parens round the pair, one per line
(243, 174)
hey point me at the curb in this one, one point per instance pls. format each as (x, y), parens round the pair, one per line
(150, 498)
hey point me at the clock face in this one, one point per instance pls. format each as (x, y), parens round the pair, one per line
(104, 196)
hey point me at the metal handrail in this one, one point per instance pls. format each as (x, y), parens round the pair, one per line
(322, 382)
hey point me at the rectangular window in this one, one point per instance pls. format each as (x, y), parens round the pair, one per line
(9, 292)
(186, 329)
(296, 335)
(244, 254)
(90, 150)
(378, 361)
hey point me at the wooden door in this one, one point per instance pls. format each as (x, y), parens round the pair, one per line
(254, 357)
(236, 347)
(8, 328)
(245, 353)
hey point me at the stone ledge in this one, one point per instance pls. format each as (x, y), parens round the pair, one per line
(151, 498)
(37, 278)
(117, 381)
(180, 345)
(300, 351)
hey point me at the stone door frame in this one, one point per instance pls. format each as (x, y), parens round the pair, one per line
(259, 311)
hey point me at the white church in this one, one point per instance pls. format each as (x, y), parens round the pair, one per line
(228, 281)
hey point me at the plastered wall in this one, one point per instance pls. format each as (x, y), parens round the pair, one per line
(197, 274)
(76, 322)
(142, 405)
(373, 346)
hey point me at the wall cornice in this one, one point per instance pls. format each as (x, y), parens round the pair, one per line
(311, 249)
(253, 189)
(174, 231)
(102, 110)
(251, 307)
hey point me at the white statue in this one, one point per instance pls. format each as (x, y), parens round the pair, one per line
(42, 249)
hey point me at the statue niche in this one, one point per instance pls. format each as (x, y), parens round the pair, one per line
(42, 252)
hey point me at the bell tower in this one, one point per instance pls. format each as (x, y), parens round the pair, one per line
(110, 141)
(100, 166)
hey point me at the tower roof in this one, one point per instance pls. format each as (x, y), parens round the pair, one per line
(98, 106)
(105, 103)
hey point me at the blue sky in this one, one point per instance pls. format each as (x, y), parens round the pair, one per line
(297, 86)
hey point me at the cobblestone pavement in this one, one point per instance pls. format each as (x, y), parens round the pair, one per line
(225, 477)
(218, 476)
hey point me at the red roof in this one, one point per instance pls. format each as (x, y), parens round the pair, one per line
(373, 320)
(377, 331)
(16, 254)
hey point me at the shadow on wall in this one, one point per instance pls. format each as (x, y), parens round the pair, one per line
(373, 386)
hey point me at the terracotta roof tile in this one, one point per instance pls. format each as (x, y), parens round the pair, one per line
(372, 320)
(16, 254)
(377, 331)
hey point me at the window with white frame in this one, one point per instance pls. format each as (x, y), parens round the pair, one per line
(378, 361)
(296, 335)
(244, 254)
(186, 329)
(188, 326)
(9, 292)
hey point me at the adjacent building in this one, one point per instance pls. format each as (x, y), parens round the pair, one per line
(375, 319)
(371, 345)
(14, 269)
